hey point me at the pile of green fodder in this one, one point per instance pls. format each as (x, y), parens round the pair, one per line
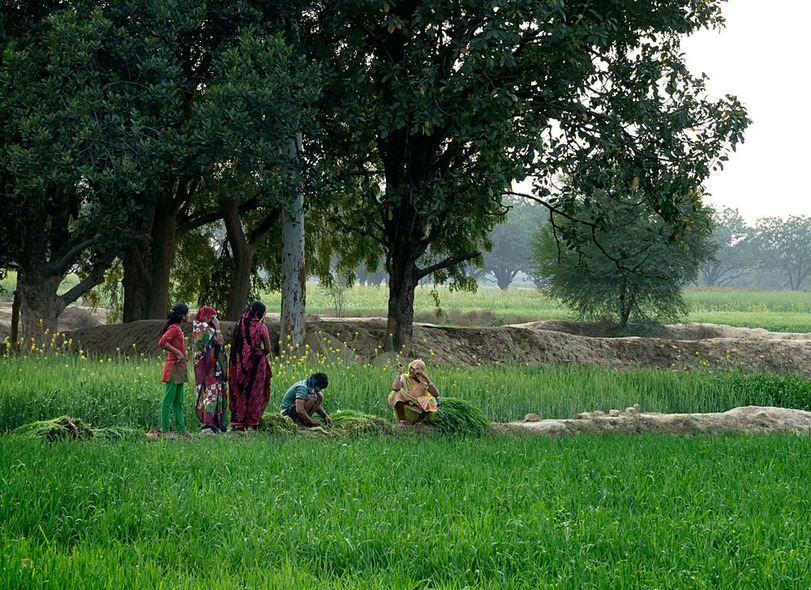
(277, 425)
(459, 417)
(355, 422)
(66, 427)
(56, 429)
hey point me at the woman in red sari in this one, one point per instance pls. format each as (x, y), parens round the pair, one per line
(249, 371)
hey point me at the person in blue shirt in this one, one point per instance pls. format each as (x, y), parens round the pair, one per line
(303, 400)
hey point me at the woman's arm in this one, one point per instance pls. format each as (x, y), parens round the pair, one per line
(398, 380)
(218, 339)
(169, 348)
(431, 387)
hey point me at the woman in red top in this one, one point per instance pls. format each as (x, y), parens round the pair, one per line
(174, 370)
(249, 371)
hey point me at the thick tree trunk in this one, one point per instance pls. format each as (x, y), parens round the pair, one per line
(39, 306)
(294, 275)
(137, 282)
(147, 267)
(243, 253)
(403, 281)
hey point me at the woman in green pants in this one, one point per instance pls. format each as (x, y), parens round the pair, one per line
(174, 369)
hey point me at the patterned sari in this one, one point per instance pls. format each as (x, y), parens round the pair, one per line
(414, 394)
(209, 372)
(248, 372)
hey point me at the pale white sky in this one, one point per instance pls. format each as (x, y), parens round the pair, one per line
(761, 56)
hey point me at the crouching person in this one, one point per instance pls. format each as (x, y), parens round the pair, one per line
(303, 401)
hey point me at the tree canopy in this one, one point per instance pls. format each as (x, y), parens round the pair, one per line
(428, 111)
(784, 248)
(635, 270)
(440, 105)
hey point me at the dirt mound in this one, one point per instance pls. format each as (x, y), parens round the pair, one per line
(749, 419)
(682, 346)
(73, 318)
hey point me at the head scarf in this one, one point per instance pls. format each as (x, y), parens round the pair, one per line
(416, 387)
(205, 314)
(417, 364)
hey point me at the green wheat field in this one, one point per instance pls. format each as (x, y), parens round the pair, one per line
(376, 511)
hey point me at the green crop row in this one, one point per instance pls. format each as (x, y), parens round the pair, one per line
(581, 512)
(122, 392)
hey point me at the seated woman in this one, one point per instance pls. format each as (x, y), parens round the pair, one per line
(413, 396)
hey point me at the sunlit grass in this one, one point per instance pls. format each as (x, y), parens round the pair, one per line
(583, 512)
(125, 390)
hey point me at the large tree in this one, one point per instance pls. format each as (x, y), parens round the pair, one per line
(438, 105)
(241, 96)
(70, 150)
(510, 240)
(634, 269)
(127, 125)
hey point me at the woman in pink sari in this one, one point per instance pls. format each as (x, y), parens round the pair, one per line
(414, 396)
(249, 371)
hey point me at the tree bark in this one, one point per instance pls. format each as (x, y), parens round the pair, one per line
(294, 275)
(39, 305)
(403, 280)
(243, 253)
(147, 266)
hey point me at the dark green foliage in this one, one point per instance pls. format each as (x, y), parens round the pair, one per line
(459, 417)
(440, 106)
(631, 267)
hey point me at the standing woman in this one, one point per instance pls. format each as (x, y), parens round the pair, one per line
(249, 371)
(174, 369)
(209, 371)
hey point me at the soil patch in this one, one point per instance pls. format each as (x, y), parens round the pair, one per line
(749, 419)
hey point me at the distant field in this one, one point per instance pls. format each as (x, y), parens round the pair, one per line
(776, 311)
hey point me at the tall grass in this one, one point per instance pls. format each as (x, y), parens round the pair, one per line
(124, 392)
(604, 512)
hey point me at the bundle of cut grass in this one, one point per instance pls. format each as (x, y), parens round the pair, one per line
(276, 424)
(56, 429)
(459, 417)
(354, 422)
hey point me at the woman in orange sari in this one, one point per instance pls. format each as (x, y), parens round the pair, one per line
(413, 396)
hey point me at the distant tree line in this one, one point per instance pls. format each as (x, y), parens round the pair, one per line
(775, 253)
